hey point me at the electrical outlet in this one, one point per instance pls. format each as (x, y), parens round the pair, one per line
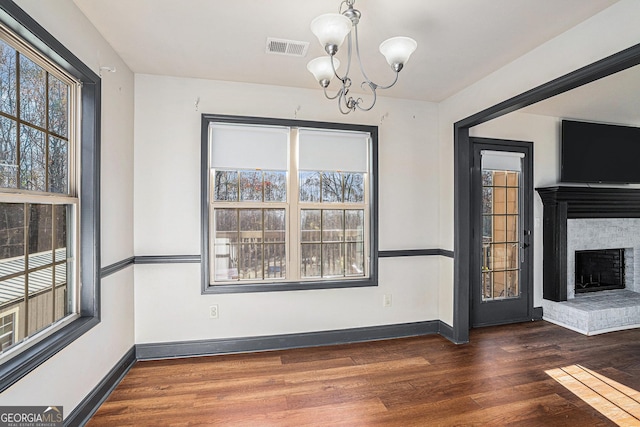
(386, 300)
(213, 311)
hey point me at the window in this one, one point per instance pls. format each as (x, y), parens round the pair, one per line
(38, 197)
(49, 196)
(8, 328)
(289, 205)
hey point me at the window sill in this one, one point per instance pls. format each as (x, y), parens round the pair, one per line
(236, 288)
(14, 369)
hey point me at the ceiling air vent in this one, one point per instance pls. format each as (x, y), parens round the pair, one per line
(286, 47)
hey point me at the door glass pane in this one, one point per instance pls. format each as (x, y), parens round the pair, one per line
(512, 228)
(513, 285)
(499, 228)
(500, 264)
(512, 200)
(487, 200)
(499, 178)
(499, 200)
(499, 285)
(486, 285)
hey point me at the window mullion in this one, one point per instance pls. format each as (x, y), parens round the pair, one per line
(46, 133)
(18, 127)
(27, 209)
(53, 262)
(293, 238)
(33, 197)
(367, 232)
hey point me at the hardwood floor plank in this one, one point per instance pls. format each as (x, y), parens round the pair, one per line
(498, 379)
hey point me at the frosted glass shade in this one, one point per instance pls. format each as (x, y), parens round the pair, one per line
(331, 28)
(321, 68)
(397, 50)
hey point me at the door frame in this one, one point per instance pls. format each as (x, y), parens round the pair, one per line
(526, 271)
(462, 168)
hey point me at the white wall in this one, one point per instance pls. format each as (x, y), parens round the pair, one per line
(70, 375)
(169, 305)
(604, 34)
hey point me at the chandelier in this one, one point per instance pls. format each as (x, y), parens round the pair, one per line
(331, 30)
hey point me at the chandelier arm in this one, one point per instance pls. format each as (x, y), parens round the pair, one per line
(335, 72)
(373, 87)
(355, 29)
(334, 96)
(342, 99)
(367, 79)
(393, 83)
(346, 74)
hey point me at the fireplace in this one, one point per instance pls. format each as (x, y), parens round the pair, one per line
(579, 222)
(599, 270)
(584, 218)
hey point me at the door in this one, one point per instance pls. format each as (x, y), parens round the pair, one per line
(501, 278)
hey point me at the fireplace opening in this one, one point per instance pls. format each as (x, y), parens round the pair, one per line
(599, 270)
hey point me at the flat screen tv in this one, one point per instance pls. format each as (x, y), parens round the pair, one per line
(599, 153)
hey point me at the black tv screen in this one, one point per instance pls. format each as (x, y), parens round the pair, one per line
(594, 152)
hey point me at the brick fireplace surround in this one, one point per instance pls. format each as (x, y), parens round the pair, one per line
(579, 218)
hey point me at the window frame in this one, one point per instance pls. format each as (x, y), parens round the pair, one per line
(15, 314)
(305, 284)
(43, 346)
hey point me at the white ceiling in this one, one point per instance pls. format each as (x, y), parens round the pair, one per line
(459, 41)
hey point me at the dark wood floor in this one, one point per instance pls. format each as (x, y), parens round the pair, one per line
(498, 379)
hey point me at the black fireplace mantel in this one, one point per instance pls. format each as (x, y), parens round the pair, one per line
(562, 203)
